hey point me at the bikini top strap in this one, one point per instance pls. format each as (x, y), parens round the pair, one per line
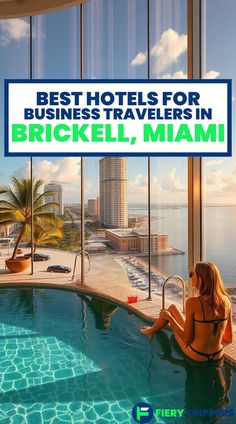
(204, 318)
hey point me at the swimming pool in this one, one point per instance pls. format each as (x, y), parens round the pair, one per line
(71, 359)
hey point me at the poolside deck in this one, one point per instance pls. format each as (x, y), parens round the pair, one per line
(105, 278)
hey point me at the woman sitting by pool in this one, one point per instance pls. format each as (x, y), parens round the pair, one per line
(208, 320)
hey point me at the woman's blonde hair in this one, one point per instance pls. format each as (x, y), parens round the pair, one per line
(211, 285)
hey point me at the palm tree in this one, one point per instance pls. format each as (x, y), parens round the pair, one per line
(15, 206)
(45, 232)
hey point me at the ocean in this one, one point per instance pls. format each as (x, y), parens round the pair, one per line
(219, 223)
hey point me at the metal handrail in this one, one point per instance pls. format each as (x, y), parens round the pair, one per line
(75, 262)
(177, 277)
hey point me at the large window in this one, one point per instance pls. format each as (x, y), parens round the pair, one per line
(14, 59)
(219, 182)
(115, 43)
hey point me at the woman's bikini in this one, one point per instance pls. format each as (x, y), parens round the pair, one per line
(216, 322)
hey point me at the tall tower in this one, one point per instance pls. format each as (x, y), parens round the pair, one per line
(113, 192)
(57, 197)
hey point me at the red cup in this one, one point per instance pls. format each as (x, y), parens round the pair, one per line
(132, 299)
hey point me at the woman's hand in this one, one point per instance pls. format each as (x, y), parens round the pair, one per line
(165, 315)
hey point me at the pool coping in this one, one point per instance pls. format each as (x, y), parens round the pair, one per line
(230, 350)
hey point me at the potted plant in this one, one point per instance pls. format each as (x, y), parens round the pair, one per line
(15, 207)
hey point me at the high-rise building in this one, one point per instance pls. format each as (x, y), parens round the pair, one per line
(94, 208)
(57, 197)
(98, 207)
(113, 192)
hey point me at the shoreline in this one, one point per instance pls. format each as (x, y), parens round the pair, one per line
(143, 263)
(154, 268)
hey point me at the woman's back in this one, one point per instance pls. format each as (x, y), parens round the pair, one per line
(209, 327)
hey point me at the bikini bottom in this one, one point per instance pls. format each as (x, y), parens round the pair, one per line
(209, 356)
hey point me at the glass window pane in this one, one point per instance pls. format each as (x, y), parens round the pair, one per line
(56, 44)
(168, 20)
(219, 181)
(14, 59)
(115, 35)
(169, 210)
(56, 54)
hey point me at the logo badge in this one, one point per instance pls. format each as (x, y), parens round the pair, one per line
(142, 412)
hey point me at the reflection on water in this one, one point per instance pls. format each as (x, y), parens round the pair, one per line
(83, 359)
(102, 311)
(22, 299)
(207, 385)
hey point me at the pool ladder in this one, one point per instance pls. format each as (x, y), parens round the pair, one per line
(176, 277)
(75, 262)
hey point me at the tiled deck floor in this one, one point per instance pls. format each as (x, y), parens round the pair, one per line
(106, 278)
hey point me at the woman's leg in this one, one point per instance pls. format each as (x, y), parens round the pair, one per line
(158, 325)
(178, 316)
(161, 323)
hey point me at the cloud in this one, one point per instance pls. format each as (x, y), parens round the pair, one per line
(138, 188)
(140, 59)
(64, 171)
(220, 186)
(165, 52)
(230, 187)
(69, 189)
(175, 75)
(214, 178)
(182, 75)
(138, 184)
(160, 191)
(171, 182)
(214, 162)
(170, 47)
(23, 171)
(13, 30)
(211, 75)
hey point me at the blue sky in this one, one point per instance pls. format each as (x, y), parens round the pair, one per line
(115, 47)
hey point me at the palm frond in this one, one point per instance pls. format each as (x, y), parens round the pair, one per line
(15, 207)
(7, 218)
(6, 204)
(4, 189)
(46, 207)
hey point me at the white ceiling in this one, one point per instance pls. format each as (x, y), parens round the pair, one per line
(17, 8)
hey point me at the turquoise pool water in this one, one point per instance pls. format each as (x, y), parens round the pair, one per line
(67, 359)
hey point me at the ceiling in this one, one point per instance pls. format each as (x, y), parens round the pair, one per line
(16, 8)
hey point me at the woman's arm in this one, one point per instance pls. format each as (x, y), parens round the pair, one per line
(228, 334)
(186, 333)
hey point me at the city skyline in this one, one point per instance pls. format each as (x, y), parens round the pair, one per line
(168, 59)
(167, 186)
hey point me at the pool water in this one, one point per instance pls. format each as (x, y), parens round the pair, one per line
(71, 359)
